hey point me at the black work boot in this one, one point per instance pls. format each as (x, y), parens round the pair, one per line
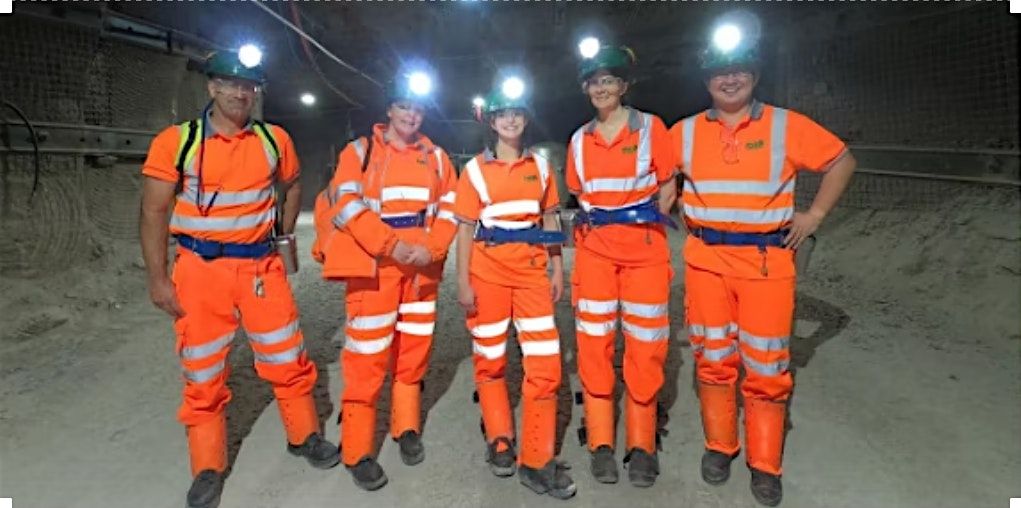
(716, 467)
(604, 465)
(205, 490)
(320, 453)
(368, 474)
(502, 462)
(412, 451)
(642, 467)
(766, 487)
(551, 479)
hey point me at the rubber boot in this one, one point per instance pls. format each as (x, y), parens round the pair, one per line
(719, 423)
(764, 433)
(405, 421)
(549, 479)
(604, 465)
(643, 465)
(301, 422)
(501, 457)
(368, 474)
(207, 446)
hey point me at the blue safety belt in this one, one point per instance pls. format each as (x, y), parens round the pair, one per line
(212, 250)
(534, 235)
(645, 213)
(407, 221)
(761, 240)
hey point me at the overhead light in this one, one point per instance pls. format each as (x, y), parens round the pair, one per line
(308, 99)
(250, 55)
(478, 101)
(513, 87)
(589, 47)
(420, 83)
(727, 37)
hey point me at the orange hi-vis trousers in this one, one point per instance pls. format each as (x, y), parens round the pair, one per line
(390, 322)
(733, 322)
(602, 291)
(531, 311)
(216, 295)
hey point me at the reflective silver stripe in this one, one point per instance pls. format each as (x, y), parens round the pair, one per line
(507, 224)
(540, 347)
(643, 158)
(223, 223)
(620, 184)
(349, 187)
(644, 310)
(687, 142)
(597, 306)
(777, 143)
(276, 336)
(516, 207)
(417, 308)
(368, 347)
(372, 203)
(745, 187)
(765, 343)
(647, 334)
(535, 324)
(416, 328)
(596, 329)
(350, 211)
(288, 356)
(438, 152)
(490, 330)
(543, 164)
(477, 181)
(715, 355)
(712, 332)
(447, 215)
(372, 322)
(223, 198)
(585, 205)
(766, 369)
(359, 149)
(490, 352)
(203, 375)
(270, 158)
(208, 349)
(404, 193)
(577, 140)
(449, 197)
(747, 216)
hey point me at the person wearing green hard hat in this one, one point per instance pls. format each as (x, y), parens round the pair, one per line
(509, 233)
(384, 227)
(621, 166)
(219, 174)
(740, 159)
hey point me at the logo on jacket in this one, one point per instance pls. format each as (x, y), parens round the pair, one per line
(628, 150)
(531, 178)
(755, 145)
(422, 161)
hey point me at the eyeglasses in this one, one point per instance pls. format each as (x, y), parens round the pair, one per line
(239, 85)
(727, 74)
(605, 81)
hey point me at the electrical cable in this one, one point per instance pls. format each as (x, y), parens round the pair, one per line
(35, 147)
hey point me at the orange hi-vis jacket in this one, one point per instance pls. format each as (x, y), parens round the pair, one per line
(507, 195)
(618, 173)
(238, 204)
(351, 235)
(742, 180)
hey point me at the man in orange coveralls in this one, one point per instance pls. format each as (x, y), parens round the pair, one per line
(226, 271)
(739, 160)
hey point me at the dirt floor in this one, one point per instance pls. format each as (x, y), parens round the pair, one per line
(906, 352)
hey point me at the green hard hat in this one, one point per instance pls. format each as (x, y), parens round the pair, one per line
(713, 58)
(415, 87)
(228, 63)
(498, 100)
(608, 57)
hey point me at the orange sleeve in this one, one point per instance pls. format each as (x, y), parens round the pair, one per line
(468, 205)
(676, 141)
(445, 226)
(351, 213)
(161, 162)
(664, 157)
(288, 167)
(811, 147)
(571, 176)
(551, 199)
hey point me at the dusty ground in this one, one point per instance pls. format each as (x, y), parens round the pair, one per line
(908, 386)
